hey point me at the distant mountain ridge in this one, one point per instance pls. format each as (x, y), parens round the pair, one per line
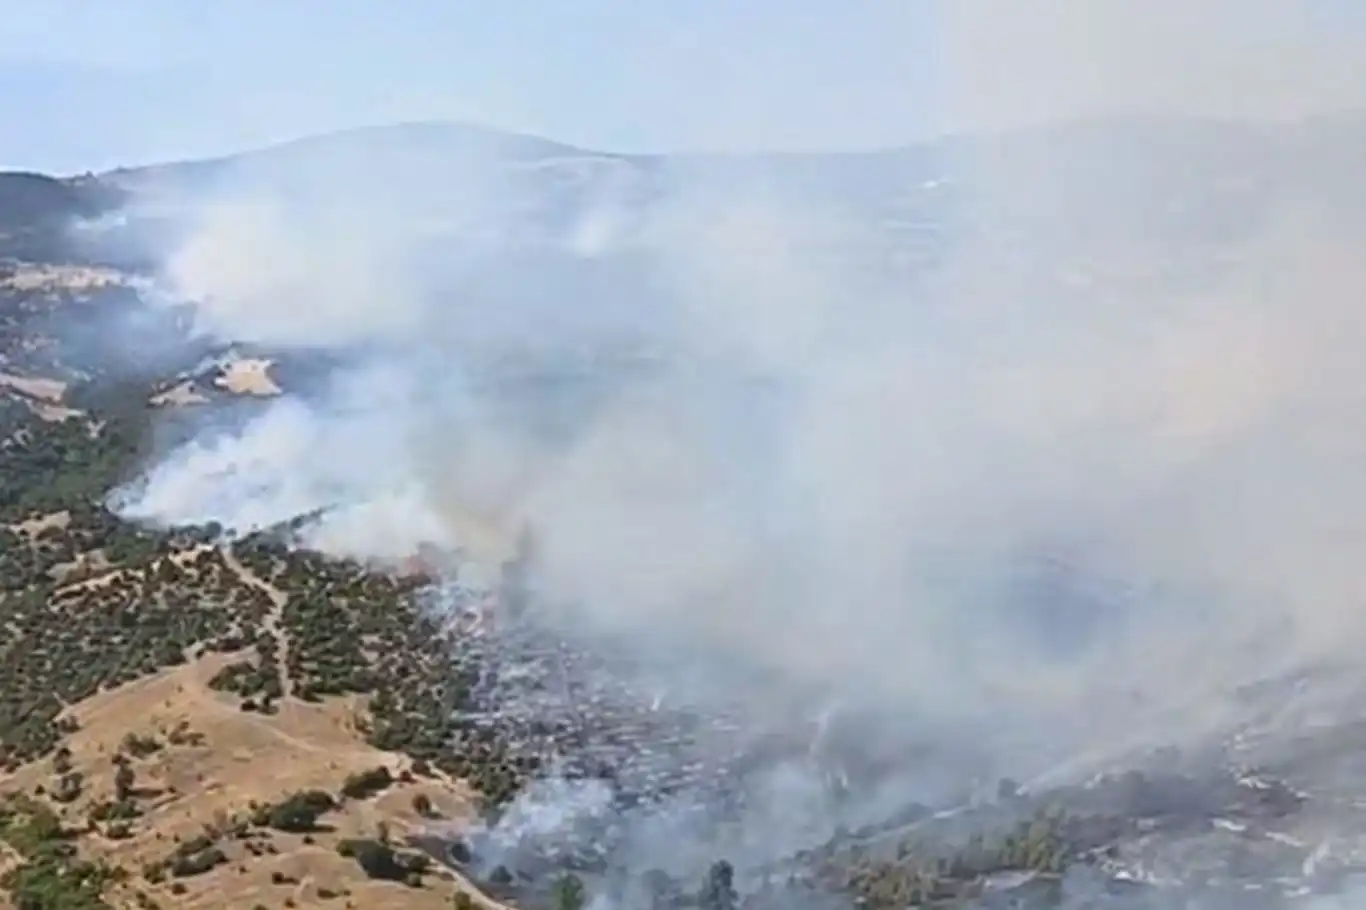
(377, 145)
(1171, 187)
(431, 141)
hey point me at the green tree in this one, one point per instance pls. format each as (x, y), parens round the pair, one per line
(568, 893)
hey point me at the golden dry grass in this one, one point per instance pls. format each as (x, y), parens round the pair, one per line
(181, 394)
(36, 525)
(216, 762)
(248, 377)
(48, 390)
(41, 395)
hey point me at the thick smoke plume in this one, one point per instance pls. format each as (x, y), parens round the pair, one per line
(1063, 493)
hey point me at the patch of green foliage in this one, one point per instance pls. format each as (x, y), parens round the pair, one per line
(51, 876)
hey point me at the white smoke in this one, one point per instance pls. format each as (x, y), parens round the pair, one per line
(823, 476)
(836, 474)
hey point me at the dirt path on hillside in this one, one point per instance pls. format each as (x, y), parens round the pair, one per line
(274, 621)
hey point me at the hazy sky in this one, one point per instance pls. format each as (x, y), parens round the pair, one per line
(96, 83)
(100, 83)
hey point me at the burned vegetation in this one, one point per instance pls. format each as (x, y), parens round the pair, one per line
(189, 718)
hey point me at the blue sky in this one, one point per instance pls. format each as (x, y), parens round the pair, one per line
(99, 82)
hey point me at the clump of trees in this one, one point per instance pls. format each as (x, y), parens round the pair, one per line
(298, 813)
(381, 861)
(50, 874)
(365, 784)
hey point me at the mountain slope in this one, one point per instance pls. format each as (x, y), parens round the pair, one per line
(248, 683)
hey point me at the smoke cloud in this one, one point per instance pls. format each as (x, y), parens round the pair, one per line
(1009, 65)
(1066, 490)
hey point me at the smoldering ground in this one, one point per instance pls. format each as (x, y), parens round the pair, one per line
(1062, 495)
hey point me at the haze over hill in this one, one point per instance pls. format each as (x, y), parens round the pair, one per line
(704, 380)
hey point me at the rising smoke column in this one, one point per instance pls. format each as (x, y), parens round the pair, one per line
(1102, 374)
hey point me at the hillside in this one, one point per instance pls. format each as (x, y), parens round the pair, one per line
(35, 211)
(166, 692)
(210, 720)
